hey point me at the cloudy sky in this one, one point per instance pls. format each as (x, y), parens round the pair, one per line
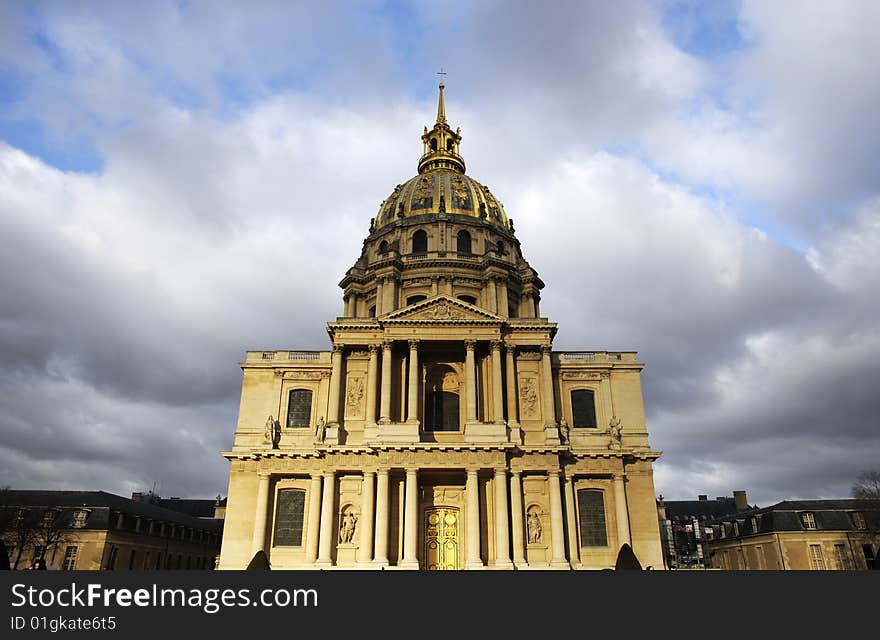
(182, 181)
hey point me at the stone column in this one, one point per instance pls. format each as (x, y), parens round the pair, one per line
(502, 535)
(379, 296)
(491, 296)
(390, 291)
(412, 403)
(470, 380)
(501, 285)
(621, 510)
(434, 286)
(382, 515)
(261, 515)
(497, 393)
(346, 300)
(411, 521)
(473, 520)
(327, 519)
(557, 533)
(512, 417)
(372, 372)
(335, 386)
(574, 555)
(516, 519)
(365, 522)
(385, 404)
(314, 519)
(548, 401)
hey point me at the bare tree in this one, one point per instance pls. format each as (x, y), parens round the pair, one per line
(53, 530)
(19, 530)
(867, 486)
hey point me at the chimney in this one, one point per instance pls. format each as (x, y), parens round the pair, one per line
(136, 496)
(719, 498)
(702, 497)
(740, 498)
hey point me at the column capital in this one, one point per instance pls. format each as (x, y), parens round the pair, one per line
(387, 344)
(411, 470)
(516, 473)
(472, 470)
(470, 344)
(328, 474)
(383, 471)
(264, 474)
(413, 343)
(546, 349)
(510, 346)
(372, 348)
(500, 470)
(553, 473)
(337, 348)
(496, 345)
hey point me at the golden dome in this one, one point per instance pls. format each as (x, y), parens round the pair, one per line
(441, 187)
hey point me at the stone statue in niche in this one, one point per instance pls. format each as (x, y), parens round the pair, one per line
(273, 432)
(319, 429)
(347, 528)
(536, 530)
(563, 431)
(615, 433)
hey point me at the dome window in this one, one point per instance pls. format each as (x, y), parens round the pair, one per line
(414, 299)
(383, 246)
(420, 242)
(464, 242)
(468, 299)
(433, 144)
(500, 248)
(449, 144)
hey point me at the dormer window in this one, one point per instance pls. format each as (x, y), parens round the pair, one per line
(79, 518)
(858, 520)
(808, 520)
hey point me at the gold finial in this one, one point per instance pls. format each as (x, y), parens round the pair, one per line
(441, 105)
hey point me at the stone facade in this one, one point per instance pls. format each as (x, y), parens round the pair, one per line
(441, 431)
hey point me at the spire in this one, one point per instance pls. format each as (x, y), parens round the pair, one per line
(441, 143)
(441, 104)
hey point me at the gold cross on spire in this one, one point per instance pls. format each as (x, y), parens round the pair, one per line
(441, 104)
(441, 73)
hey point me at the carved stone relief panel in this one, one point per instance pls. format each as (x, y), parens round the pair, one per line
(528, 397)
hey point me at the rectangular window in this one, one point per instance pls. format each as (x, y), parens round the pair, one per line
(299, 408)
(844, 562)
(817, 561)
(858, 519)
(79, 519)
(808, 520)
(289, 518)
(583, 408)
(591, 512)
(70, 558)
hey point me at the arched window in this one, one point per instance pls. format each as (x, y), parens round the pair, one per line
(468, 299)
(420, 242)
(464, 242)
(591, 518)
(583, 408)
(299, 408)
(433, 144)
(289, 517)
(383, 246)
(500, 248)
(414, 299)
(449, 144)
(373, 311)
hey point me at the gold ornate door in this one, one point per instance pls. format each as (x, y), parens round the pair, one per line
(441, 538)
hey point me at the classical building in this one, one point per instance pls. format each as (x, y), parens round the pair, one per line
(441, 431)
(798, 534)
(96, 530)
(684, 527)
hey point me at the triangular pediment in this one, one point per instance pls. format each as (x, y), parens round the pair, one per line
(441, 309)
